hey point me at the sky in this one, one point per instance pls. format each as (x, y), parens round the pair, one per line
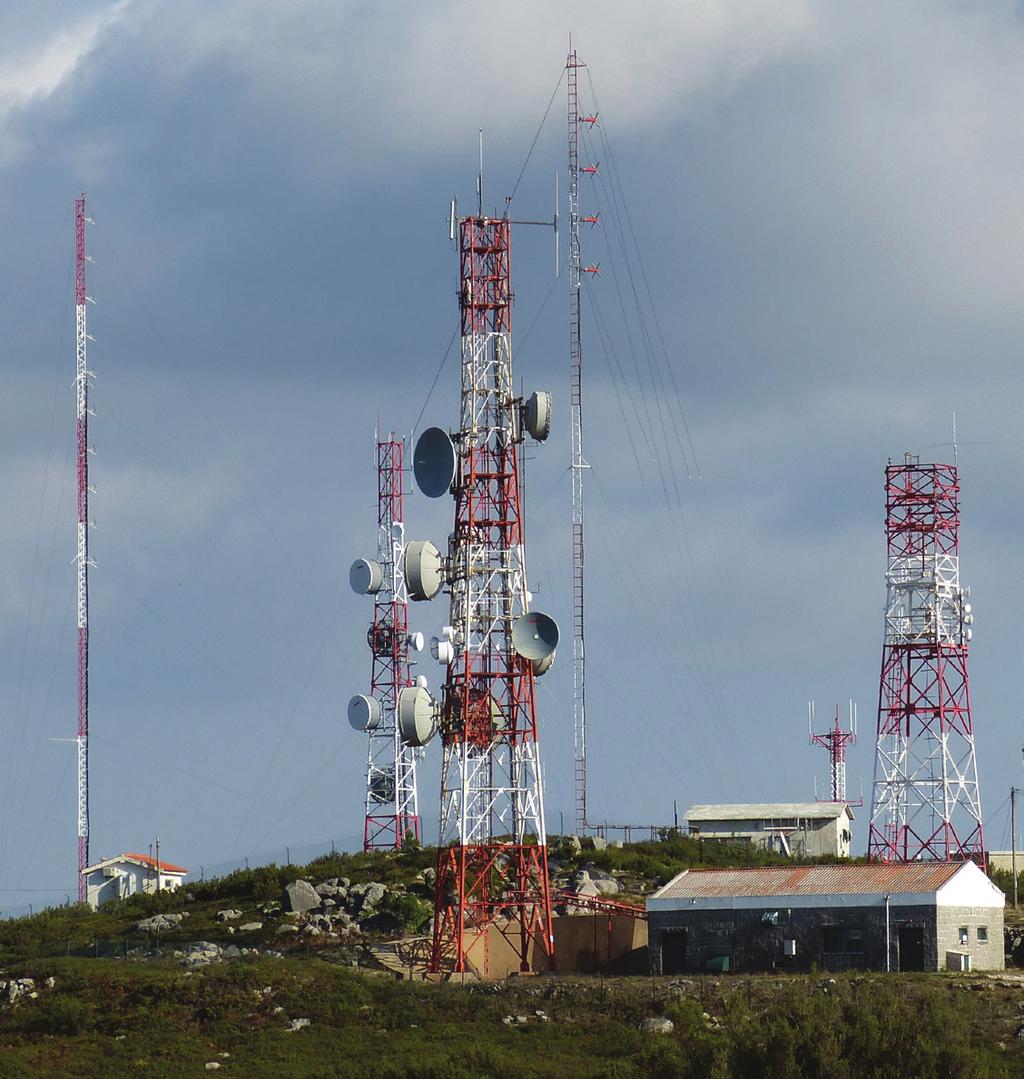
(818, 208)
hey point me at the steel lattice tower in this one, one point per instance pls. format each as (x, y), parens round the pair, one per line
(391, 804)
(835, 742)
(926, 802)
(492, 867)
(82, 561)
(579, 683)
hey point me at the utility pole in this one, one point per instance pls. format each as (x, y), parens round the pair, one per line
(1013, 842)
(158, 865)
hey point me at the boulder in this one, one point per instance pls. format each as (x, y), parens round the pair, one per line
(287, 928)
(601, 844)
(300, 896)
(298, 1024)
(657, 1025)
(159, 923)
(574, 843)
(250, 927)
(232, 951)
(228, 915)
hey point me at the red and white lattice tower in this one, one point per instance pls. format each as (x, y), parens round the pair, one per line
(82, 561)
(926, 803)
(492, 866)
(392, 813)
(835, 742)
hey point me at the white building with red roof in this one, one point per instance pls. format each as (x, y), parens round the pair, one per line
(129, 874)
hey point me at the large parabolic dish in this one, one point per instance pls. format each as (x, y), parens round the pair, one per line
(422, 570)
(535, 637)
(433, 462)
(416, 721)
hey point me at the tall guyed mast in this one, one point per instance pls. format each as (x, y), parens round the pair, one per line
(926, 803)
(492, 870)
(578, 463)
(82, 561)
(392, 811)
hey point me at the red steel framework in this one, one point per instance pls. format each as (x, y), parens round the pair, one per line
(835, 742)
(391, 765)
(926, 801)
(492, 866)
(82, 377)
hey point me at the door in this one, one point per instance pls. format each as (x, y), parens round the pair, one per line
(911, 941)
(673, 951)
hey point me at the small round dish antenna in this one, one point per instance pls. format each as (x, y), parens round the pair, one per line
(535, 637)
(433, 462)
(416, 641)
(422, 570)
(441, 649)
(538, 415)
(364, 712)
(417, 722)
(365, 576)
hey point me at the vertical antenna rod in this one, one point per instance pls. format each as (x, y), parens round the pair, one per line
(835, 741)
(579, 681)
(82, 375)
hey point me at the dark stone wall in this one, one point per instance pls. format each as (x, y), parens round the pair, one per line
(754, 942)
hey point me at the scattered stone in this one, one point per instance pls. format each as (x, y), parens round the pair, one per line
(657, 1025)
(232, 951)
(50, 983)
(300, 896)
(284, 929)
(211, 1065)
(228, 915)
(298, 1024)
(159, 923)
(278, 1010)
(574, 843)
(825, 985)
(250, 927)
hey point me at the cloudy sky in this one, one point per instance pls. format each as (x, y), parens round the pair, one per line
(822, 207)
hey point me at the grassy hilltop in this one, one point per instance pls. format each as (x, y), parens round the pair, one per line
(86, 1016)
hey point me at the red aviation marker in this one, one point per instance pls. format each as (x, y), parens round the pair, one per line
(926, 803)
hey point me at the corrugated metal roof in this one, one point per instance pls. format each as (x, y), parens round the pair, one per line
(778, 880)
(767, 810)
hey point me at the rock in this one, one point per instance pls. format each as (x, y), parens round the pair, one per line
(298, 1024)
(326, 890)
(329, 904)
(522, 1019)
(250, 927)
(616, 844)
(599, 843)
(231, 952)
(228, 915)
(286, 928)
(607, 887)
(657, 1025)
(300, 896)
(159, 923)
(825, 985)
(574, 843)
(211, 1065)
(50, 983)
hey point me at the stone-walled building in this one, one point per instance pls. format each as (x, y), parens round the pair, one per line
(913, 916)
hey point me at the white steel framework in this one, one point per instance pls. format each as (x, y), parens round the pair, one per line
(926, 801)
(392, 810)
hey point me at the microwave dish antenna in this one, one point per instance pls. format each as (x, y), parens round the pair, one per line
(433, 462)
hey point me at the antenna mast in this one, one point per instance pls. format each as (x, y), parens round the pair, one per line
(391, 806)
(82, 561)
(835, 741)
(926, 803)
(579, 666)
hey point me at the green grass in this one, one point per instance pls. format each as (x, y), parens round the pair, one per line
(159, 1020)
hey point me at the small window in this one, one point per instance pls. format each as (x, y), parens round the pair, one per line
(982, 934)
(964, 934)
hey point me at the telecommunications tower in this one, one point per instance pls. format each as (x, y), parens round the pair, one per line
(492, 867)
(835, 742)
(82, 561)
(578, 464)
(392, 813)
(926, 803)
